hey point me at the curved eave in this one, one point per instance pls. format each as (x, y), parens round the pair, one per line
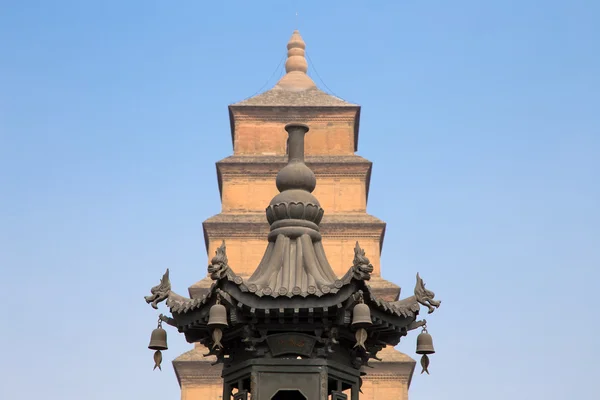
(192, 313)
(309, 301)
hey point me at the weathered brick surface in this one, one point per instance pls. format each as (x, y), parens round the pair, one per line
(244, 254)
(252, 194)
(260, 131)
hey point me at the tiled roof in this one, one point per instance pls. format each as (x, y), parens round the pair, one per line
(311, 97)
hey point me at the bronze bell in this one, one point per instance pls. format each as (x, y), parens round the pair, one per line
(425, 343)
(158, 340)
(217, 317)
(361, 316)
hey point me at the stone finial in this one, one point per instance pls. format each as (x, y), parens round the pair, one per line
(296, 66)
(296, 60)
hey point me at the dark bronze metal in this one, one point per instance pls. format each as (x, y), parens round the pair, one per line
(157, 360)
(159, 292)
(219, 263)
(361, 316)
(291, 343)
(158, 339)
(339, 396)
(361, 266)
(425, 296)
(293, 324)
(425, 363)
(218, 316)
(158, 342)
(425, 343)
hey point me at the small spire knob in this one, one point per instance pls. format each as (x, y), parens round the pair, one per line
(296, 60)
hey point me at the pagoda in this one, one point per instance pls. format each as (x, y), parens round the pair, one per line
(294, 271)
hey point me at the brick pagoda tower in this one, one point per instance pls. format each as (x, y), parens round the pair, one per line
(247, 184)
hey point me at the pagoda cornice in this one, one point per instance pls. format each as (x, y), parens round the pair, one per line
(267, 167)
(253, 225)
(274, 163)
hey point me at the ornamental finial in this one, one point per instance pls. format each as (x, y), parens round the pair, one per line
(295, 182)
(296, 49)
(296, 66)
(296, 174)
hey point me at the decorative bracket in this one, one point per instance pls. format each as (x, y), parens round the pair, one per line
(416, 324)
(167, 320)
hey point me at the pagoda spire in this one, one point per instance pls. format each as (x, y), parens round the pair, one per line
(296, 66)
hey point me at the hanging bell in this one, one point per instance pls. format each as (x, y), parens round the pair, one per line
(425, 343)
(158, 340)
(361, 316)
(217, 316)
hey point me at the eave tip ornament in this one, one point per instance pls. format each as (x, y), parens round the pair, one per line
(425, 297)
(361, 266)
(159, 292)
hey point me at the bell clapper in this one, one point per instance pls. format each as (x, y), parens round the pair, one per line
(217, 336)
(157, 360)
(361, 337)
(424, 363)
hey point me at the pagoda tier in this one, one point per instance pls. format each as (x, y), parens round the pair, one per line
(293, 303)
(247, 183)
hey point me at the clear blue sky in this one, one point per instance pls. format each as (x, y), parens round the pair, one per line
(482, 119)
